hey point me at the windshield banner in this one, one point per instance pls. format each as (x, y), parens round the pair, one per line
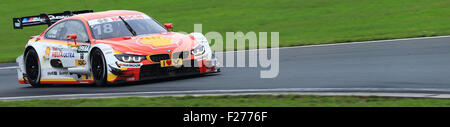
(116, 18)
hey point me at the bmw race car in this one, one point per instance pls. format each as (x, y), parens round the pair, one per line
(83, 47)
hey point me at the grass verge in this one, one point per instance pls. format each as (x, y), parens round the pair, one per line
(236, 101)
(299, 22)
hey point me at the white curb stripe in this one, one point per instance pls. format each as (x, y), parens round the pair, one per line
(12, 67)
(233, 91)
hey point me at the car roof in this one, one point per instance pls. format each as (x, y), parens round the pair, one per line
(104, 14)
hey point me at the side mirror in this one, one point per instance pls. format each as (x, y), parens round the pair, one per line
(169, 26)
(72, 37)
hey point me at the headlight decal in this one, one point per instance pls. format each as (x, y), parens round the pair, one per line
(129, 58)
(199, 50)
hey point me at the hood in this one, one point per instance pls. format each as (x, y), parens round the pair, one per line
(152, 44)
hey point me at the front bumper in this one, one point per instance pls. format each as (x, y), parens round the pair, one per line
(155, 71)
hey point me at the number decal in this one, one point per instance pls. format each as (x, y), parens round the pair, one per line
(105, 28)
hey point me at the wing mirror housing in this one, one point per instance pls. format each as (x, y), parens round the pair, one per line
(72, 37)
(169, 26)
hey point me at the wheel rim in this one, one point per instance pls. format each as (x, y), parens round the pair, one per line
(98, 66)
(32, 67)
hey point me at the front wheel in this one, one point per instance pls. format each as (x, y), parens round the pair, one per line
(33, 68)
(98, 67)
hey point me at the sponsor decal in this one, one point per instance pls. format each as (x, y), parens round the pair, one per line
(82, 56)
(127, 17)
(69, 54)
(65, 54)
(51, 17)
(130, 65)
(58, 73)
(83, 48)
(80, 62)
(52, 73)
(131, 79)
(157, 41)
(64, 73)
(172, 62)
(116, 18)
(17, 23)
(58, 53)
(47, 51)
(31, 19)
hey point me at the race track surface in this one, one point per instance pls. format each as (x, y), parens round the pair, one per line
(411, 65)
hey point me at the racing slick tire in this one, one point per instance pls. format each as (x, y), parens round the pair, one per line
(33, 68)
(98, 67)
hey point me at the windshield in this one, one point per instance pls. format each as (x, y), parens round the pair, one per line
(114, 27)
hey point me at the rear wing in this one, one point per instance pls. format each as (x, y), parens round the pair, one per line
(44, 18)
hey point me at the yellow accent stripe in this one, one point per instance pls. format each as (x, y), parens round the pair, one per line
(116, 52)
(84, 18)
(54, 42)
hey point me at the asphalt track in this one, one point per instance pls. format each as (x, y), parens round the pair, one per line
(420, 65)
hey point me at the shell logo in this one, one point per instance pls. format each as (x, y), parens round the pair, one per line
(47, 51)
(157, 41)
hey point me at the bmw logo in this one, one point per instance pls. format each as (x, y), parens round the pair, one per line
(169, 51)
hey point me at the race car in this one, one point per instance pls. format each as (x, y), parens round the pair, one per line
(101, 48)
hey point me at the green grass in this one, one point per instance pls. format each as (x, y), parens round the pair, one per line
(300, 22)
(236, 101)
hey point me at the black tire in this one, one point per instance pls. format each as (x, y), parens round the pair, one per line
(98, 67)
(33, 68)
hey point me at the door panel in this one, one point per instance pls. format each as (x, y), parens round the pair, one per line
(71, 53)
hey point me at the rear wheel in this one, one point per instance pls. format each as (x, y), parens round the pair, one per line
(33, 68)
(98, 67)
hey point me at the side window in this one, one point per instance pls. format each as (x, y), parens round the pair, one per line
(55, 32)
(61, 30)
(76, 27)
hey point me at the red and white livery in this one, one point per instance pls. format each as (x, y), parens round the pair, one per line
(83, 47)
